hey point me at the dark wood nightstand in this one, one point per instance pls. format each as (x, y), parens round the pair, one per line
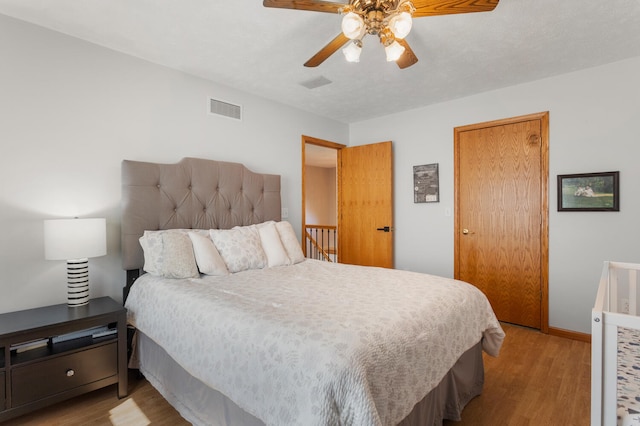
(53, 353)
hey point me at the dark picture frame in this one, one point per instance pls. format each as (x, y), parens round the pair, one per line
(426, 184)
(589, 192)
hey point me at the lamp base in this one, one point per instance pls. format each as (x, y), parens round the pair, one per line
(77, 282)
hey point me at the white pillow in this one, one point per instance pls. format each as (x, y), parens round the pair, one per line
(152, 249)
(154, 253)
(240, 248)
(178, 259)
(290, 242)
(207, 257)
(272, 246)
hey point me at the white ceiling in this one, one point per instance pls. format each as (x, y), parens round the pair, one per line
(241, 44)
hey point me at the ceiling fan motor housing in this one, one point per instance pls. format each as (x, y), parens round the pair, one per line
(376, 14)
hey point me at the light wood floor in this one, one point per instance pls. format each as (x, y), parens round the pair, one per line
(537, 380)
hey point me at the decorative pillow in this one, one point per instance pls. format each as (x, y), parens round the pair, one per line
(290, 242)
(207, 257)
(240, 248)
(153, 248)
(272, 245)
(178, 258)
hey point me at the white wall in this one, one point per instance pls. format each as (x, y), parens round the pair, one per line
(71, 111)
(593, 119)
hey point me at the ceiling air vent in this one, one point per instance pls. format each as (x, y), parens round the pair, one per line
(225, 109)
(316, 82)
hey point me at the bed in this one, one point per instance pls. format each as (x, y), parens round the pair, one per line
(615, 347)
(275, 338)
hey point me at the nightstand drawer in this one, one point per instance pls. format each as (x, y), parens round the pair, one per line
(45, 378)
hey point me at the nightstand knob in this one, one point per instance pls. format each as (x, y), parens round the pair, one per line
(70, 372)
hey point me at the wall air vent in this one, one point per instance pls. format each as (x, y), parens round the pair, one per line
(225, 109)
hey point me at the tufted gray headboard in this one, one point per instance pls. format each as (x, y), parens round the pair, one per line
(195, 194)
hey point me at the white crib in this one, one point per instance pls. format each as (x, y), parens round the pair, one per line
(615, 347)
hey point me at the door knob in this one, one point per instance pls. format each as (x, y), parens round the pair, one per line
(465, 231)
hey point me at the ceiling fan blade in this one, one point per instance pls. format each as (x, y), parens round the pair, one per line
(448, 7)
(313, 5)
(327, 51)
(407, 58)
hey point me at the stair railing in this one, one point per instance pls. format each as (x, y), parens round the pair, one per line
(321, 242)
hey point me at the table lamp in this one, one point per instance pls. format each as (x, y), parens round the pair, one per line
(75, 240)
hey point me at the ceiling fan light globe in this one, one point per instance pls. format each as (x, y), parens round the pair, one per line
(400, 24)
(352, 26)
(394, 51)
(352, 51)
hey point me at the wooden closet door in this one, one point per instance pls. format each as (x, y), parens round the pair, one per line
(501, 241)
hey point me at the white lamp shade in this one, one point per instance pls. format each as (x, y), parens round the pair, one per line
(352, 26)
(394, 51)
(66, 239)
(352, 51)
(400, 24)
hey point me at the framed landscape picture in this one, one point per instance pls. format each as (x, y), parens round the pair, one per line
(589, 192)
(426, 187)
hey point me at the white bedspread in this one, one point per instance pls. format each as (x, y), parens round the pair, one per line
(317, 343)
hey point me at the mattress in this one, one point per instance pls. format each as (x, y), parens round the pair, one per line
(317, 343)
(628, 383)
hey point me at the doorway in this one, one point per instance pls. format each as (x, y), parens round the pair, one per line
(501, 243)
(364, 198)
(320, 198)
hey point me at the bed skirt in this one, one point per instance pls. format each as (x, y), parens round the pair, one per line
(201, 405)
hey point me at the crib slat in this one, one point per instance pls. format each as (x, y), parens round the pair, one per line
(610, 373)
(597, 347)
(613, 290)
(597, 373)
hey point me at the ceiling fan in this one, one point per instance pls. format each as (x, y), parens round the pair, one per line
(390, 20)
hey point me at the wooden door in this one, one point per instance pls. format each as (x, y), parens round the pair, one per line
(365, 205)
(501, 215)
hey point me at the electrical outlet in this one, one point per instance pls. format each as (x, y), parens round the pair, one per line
(285, 213)
(624, 306)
